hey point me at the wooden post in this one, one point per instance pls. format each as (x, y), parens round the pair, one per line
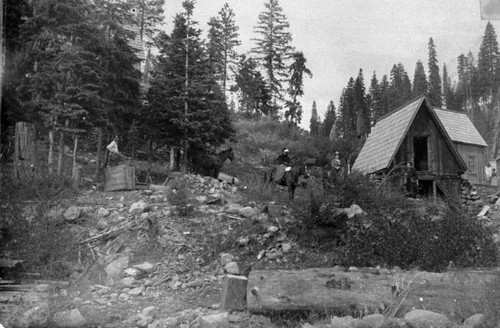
(50, 160)
(434, 191)
(76, 169)
(98, 155)
(24, 150)
(60, 161)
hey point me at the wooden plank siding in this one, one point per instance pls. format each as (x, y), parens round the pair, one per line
(475, 158)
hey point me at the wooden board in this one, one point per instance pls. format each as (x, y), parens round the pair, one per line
(234, 292)
(333, 290)
(121, 177)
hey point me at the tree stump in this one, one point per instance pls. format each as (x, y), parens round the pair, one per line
(24, 151)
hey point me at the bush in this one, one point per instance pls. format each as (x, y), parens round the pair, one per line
(29, 232)
(180, 196)
(396, 230)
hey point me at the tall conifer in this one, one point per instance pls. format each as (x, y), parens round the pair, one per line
(434, 83)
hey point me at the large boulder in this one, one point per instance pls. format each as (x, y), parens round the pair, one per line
(37, 316)
(114, 270)
(73, 213)
(427, 319)
(69, 319)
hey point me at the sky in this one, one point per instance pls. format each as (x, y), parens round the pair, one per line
(340, 37)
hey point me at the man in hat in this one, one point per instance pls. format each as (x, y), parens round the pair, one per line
(113, 155)
(284, 163)
(336, 164)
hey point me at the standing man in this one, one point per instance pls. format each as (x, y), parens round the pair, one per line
(113, 156)
(284, 162)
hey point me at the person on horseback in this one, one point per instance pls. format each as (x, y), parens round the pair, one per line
(284, 164)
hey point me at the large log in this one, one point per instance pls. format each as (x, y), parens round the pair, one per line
(367, 290)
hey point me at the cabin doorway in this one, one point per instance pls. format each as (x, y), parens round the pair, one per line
(421, 154)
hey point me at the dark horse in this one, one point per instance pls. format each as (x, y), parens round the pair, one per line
(210, 164)
(290, 180)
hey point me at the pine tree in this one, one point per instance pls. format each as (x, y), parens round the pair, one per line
(330, 119)
(296, 85)
(185, 103)
(487, 63)
(254, 97)
(347, 113)
(448, 94)
(273, 47)
(434, 83)
(419, 80)
(376, 104)
(315, 122)
(385, 91)
(400, 87)
(230, 41)
(363, 125)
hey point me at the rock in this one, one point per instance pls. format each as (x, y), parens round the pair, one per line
(129, 282)
(136, 291)
(72, 213)
(69, 319)
(360, 323)
(475, 321)
(226, 258)
(274, 254)
(218, 320)
(426, 319)
(272, 229)
(133, 272)
(37, 316)
(232, 268)
(115, 269)
(341, 322)
(138, 207)
(145, 267)
(233, 208)
(354, 210)
(148, 312)
(144, 322)
(243, 241)
(286, 247)
(248, 211)
(375, 320)
(56, 215)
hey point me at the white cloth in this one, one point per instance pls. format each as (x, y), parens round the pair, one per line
(113, 147)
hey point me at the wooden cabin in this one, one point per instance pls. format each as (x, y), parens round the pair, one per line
(468, 142)
(414, 134)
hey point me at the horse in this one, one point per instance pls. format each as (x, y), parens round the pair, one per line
(290, 179)
(210, 164)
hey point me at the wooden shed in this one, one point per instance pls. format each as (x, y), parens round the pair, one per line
(468, 142)
(414, 134)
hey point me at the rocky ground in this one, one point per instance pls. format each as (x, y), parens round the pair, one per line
(146, 262)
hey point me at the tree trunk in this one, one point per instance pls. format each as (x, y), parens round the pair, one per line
(60, 161)
(76, 169)
(150, 160)
(334, 290)
(98, 156)
(50, 160)
(172, 158)
(25, 150)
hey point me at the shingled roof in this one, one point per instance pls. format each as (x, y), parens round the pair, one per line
(385, 138)
(388, 134)
(459, 127)
(136, 43)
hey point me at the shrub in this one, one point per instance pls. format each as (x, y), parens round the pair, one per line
(397, 230)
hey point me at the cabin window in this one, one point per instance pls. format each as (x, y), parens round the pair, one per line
(471, 164)
(421, 153)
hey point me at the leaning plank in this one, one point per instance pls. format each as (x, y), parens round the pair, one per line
(25, 288)
(331, 289)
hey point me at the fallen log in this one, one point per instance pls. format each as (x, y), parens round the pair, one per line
(369, 290)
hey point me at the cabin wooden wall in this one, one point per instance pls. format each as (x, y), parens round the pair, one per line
(440, 159)
(472, 154)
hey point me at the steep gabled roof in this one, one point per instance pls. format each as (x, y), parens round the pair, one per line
(459, 127)
(385, 138)
(388, 134)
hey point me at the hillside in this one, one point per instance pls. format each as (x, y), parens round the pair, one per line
(157, 257)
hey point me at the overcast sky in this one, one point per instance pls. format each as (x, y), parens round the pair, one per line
(338, 37)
